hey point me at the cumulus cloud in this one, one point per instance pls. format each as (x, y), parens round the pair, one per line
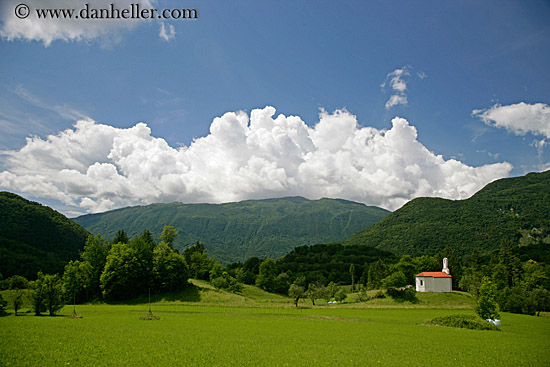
(519, 119)
(48, 30)
(95, 167)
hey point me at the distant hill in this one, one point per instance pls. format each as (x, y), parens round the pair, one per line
(34, 237)
(508, 207)
(238, 231)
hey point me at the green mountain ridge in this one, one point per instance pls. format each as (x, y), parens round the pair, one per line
(237, 231)
(34, 237)
(507, 208)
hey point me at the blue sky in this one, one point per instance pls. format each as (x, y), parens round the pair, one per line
(471, 78)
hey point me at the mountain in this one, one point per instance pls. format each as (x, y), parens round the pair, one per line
(34, 237)
(511, 207)
(238, 231)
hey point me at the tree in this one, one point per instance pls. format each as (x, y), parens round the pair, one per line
(540, 298)
(73, 280)
(170, 272)
(394, 280)
(197, 247)
(245, 276)
(93, 259)
(53, 293)
(168, 235)
(323, 292)
(352, 273)
(311, 293)
(18, 288)
(332, 289)
(426, 263)
(121, 237)
(281, 283)
(267, 275)
(455, 265)
(296, 292)
(47, 294)
(486, 306)
(340, 295)
(3, 304)
(128, 270)
(535, 276)
(377, 272)
(219, 283)
(252, 265)
(297, 289)
(37, 296)
(147, 237)
(470, 282)
(407, 267)
(510, 264)
(216, 270)
(200, 265)
(317, 291)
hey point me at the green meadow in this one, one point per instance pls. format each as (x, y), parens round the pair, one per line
(205, 327)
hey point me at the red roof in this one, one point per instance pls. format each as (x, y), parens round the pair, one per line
(435, 274)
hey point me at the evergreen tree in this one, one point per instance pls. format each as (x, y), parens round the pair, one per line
(121, 237)
(147, 237)
(352, 273)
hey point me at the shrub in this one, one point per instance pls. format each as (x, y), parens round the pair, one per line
(362, 296)
(219, 283)
(340, 295)
(3, 304)
(403, 294)
(463, 321)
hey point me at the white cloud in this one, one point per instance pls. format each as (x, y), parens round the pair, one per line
(95, 167)
(65, 112)
(540, 144)
(69, 30)
(167, 34)
(519, 119)
(395, 100)
(396, 80)
(422, 75)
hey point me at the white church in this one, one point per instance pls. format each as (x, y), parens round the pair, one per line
(435, 281)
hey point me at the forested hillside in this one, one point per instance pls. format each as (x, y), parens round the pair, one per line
(237, 231)
(34, 237)
(509, 208)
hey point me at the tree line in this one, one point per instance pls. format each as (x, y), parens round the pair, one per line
(114, 271)
(517, 276)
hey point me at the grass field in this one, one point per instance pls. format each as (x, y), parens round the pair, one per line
(266, 331)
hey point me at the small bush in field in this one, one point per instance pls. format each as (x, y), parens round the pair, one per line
(463, 321)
